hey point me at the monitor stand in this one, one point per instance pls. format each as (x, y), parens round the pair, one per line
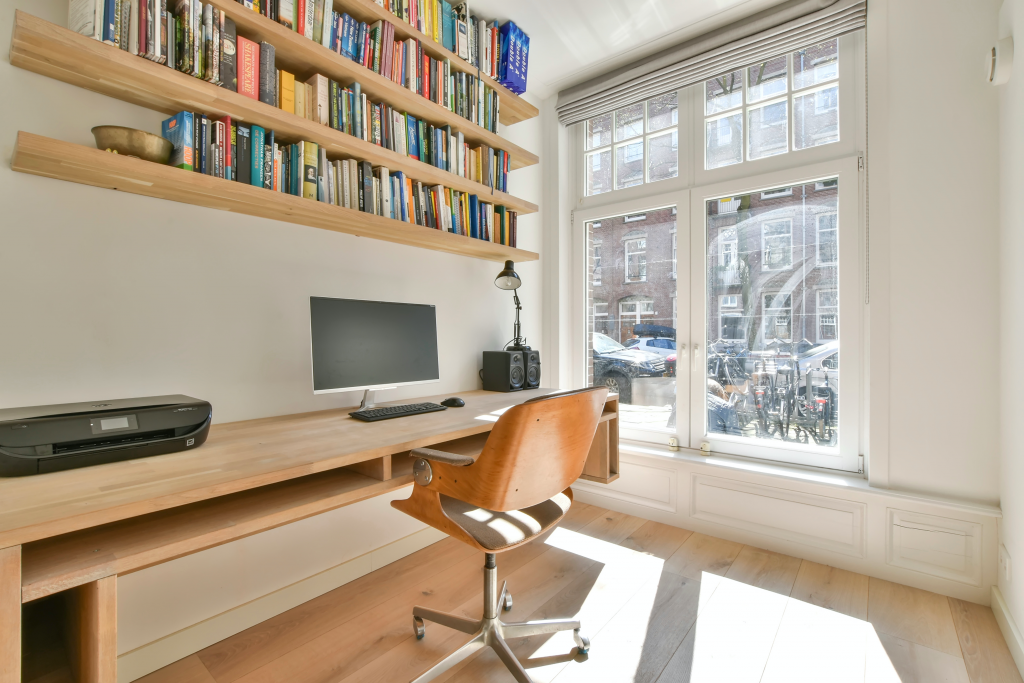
(369, 398)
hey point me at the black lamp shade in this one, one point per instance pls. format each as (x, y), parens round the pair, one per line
(508, 278)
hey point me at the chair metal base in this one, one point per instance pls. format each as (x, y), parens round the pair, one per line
(491, 631)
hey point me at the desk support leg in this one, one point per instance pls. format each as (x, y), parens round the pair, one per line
(92, 631)
(10, 615)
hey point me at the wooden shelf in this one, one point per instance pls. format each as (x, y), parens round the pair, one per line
(304, 58)
(43, 156)
(50, 50)
(62, 562)
(513, 108)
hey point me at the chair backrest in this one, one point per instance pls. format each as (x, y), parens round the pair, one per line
(535, 450)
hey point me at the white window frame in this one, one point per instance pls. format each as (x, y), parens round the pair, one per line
(765, 247)
(674, 233)
(817, 237)
(627, 253)
(845, 455)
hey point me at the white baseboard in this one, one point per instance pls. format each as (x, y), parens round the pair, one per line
(1009, 628)
(158, 654)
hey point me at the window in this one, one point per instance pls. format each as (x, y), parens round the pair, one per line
(636, 260)
(769, 340)
(727, 254)
(596, 276)
(777, 244)
(641, 140)
(780, 192)
(828, 315)
(828, 253)
(770, 104)
(635, 307)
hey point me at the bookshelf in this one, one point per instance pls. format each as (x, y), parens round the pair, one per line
(38, 155)
(513, 108)
(45, 48)
(303, 57)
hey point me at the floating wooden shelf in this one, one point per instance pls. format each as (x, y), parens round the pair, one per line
(513, 108)
(53, 51)
(43, 156)
(304, 58)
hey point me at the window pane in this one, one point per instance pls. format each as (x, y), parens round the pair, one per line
(767, 79)
(773, 316)
(635, 295)
(662, 112)
(816, 118)
(662, 156)
(599, 131)
(629, 164)
(629, 122)
(816, 64)
(767, 128)
(724, 141)
(599, 172)
(723, 93)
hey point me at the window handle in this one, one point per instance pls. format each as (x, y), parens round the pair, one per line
(695, 354)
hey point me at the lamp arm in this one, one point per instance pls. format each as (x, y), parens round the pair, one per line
(518, 336)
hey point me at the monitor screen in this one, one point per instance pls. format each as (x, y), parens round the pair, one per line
(367, 344)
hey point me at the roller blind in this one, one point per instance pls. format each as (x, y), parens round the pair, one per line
(790, 26)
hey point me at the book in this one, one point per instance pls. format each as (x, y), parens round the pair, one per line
(286, 13)
(300, 98)
(248, 68)
(318, 21)
(267, 75)
(243, 153)
(228, 51)
(346, 195)
(286, 91)
(178, 129)
(310, 161)
(257, 143)
(384, 176)
(268, 160)
(366, 190)
(86, 17)
(320, 99)
(227, 153)
(133, 26)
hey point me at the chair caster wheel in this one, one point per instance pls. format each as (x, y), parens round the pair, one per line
(508, 602)
(582, 642)
(417, 627)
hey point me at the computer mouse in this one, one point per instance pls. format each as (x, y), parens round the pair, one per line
(453, 402)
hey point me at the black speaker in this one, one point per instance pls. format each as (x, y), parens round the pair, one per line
(532, 369)
(504, 370)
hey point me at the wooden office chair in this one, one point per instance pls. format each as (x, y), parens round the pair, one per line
(517, 489)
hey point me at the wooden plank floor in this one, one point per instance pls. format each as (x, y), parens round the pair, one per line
(660, 604)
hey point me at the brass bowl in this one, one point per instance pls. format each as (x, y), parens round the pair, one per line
(133, 143)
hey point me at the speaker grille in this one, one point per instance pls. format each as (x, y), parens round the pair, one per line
(517, 376)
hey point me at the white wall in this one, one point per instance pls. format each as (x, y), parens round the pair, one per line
(934, 221)
(105, 294)
(1011, 247)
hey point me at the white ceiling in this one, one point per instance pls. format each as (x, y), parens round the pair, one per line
(572, 40)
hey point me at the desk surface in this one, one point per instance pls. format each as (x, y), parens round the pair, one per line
(236, 457)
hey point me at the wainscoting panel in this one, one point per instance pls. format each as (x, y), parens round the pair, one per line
(819, 521)
(653, 487)
(940, 546)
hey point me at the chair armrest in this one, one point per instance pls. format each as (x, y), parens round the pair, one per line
(441, 456)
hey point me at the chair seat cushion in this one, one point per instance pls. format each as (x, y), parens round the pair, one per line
(500, 530)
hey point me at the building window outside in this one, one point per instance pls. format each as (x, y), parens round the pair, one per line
(778, 316)
(731, 318)
(635, 218)
(828, 315)
(631, 146)
(636, 260)
(770, 104)
(597, 264)
(777, 244)
(674, 253)
(828, 247)
(600, 309)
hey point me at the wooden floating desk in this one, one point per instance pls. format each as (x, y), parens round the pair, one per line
(78, 530)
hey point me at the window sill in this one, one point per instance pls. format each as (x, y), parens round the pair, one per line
(832, 478)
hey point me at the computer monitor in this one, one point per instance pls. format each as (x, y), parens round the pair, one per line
(371, 345)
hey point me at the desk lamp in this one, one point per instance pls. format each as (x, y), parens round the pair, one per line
(508, 279)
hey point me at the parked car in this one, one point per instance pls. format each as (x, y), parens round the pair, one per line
(659, 345)
(616, 367)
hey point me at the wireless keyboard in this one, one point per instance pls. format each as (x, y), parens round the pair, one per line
(388, 412)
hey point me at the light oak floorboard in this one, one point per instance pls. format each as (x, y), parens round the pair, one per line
(912, 614)
(913, 663)
(764, 569)
(655, 538)
(832, 588)
(817, 644)
(188, 670)
(984, 651)
(700, 553)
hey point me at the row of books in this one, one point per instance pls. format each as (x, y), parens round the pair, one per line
(250, 154)
(206, 46)
(348, 110)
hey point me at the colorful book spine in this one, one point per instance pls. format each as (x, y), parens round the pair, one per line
(257, 142)
(248, 68)
(178, 129)
(310, 162)
(267, 75)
